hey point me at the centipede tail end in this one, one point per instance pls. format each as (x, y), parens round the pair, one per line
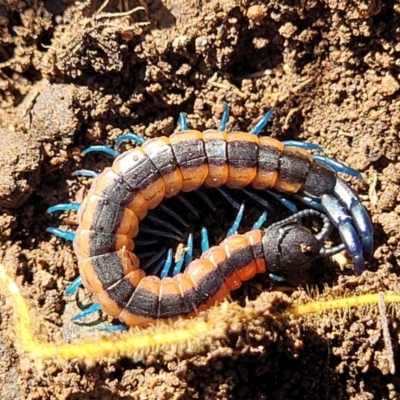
(349, 235)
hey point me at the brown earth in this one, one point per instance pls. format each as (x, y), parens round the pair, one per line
(71, 76)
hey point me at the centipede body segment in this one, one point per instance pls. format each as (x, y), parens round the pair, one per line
(141, 178)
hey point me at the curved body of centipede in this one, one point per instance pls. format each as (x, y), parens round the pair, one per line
(141, 178)
(125, 292)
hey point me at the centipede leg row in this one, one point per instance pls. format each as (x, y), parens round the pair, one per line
(121, 196)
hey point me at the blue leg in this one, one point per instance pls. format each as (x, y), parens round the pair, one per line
(229, 198)
(73, 287)
(225, 117)
(154, 257)
(157, 232)
(205, 243)
(287, 203)
(85, 172)
(70, 236)
(337, 166)
(64, 207)
(276, 278)
(263, 202)
(187, 204)
(145, 242)
(112, 328)
(178, 266)
(147, 255)
(130, 136)
(302, 145)
(157, 268)
(185, 257)
(316, 204)
(235, 226)
(182, 121)
(88, 311)
(167, 264)
(260, 125)
(101, 149)
(164, 224)
(260, 222)
(173, 214)
(189, 252)
(206, 199)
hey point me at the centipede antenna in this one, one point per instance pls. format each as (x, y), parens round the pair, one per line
(206, 199)
(61, 233)
(186, 203)
(189, 251)
(309, 212)
(73, 287)
(164, 224)
(327, 252)
(145, 242)
(235, 226)
(261, 220)
(284, 201)
(173, 214)
(63, 207)
(297, 217)
(131, 136)
(156, 232)
(112, 328)
(205, 244)
(95, 307)
(337, 166)
(167, 264)
(85, 172)
(101, 149)
(326, 229)
(309, 202)
(302, 145)
(229, 198)
(155, 257)
(182, 122)
(255, 197)
(260, 125)
(225, 117)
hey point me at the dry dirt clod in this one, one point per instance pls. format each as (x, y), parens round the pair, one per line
(50, 115)
(96, 42)
(19, 167)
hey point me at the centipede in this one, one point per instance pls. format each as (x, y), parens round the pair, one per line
(139, 179)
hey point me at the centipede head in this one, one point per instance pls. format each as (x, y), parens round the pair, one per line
(289, 247)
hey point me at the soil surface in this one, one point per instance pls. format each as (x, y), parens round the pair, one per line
(75, 73)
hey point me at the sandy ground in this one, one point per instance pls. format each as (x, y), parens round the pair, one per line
(71, 76)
